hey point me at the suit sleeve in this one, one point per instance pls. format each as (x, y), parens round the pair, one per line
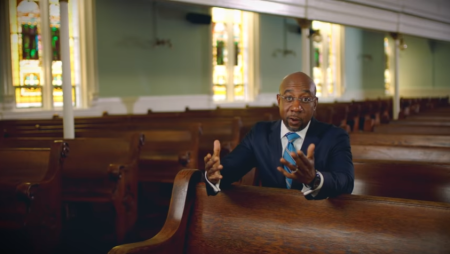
(338, 173)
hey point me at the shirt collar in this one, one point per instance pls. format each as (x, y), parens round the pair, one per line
(301, 133)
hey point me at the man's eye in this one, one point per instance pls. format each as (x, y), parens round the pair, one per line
(289, 98)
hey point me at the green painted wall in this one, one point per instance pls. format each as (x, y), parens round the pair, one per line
(416, 64)
(364, 61)
(424, 65)
(273, 64)
(129, 65)
(441, 65)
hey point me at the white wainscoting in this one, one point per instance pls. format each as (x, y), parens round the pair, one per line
(140, 105)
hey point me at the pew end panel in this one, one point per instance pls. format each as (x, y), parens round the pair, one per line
(103, 172)
(30, 197)
(171, 238)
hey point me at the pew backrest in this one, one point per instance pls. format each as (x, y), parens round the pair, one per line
(399, 139)
(417, 181)
(436, 155)
(412, 129)
(248, 219)
(30, 196)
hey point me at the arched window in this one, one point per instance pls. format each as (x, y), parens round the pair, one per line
(326, 45)
(26, 53)
(27, 50)
(387, 67)
(230, 43)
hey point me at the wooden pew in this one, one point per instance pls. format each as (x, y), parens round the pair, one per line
(436, 155)
(247, 219)
(406, 180)
(411, 129)
(388, 139)
(30, 198)
(101, 174)
(226, 129)
(421, 122)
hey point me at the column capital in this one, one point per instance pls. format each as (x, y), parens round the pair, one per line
(395, 36)
(304, 23)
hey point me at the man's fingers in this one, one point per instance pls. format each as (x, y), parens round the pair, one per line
(304, 162)
(311, 148)
(207, 157)
(211, 163)
(217, 148)
(299, 158)
(288, 164)
(284, 172)
(214, 177)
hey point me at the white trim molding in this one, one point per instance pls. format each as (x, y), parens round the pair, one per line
(427, 19)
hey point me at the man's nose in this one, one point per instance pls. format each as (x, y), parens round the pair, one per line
(296, 106)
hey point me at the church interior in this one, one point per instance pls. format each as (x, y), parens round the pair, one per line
(109, 107)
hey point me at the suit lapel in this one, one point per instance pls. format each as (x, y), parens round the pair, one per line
(312, 136)
(274, 138)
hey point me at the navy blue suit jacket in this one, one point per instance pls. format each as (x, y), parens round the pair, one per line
(262, 148)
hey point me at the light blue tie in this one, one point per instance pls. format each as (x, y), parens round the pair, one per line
(291, 136)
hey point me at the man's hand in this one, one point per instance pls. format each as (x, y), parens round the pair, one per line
(304, 171)
(212, 164)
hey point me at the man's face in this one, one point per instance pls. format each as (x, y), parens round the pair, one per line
(296, 114)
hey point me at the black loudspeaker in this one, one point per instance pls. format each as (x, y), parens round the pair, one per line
(196, 18)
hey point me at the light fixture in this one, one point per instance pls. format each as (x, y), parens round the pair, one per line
(402, 45)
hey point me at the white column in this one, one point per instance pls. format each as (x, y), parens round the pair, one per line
(306, 46)
(396, 97)
(68, 121)
(47, 79)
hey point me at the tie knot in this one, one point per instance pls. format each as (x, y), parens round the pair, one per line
(291, 136)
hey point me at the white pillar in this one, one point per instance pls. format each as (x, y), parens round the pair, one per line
(68, 121)
(306, 46)
(396, 98)
(47, 79)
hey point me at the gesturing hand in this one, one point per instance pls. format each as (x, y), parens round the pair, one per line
(304, 171)
(212, 164)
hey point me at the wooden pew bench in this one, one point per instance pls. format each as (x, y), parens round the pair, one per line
(412, 129)
(436, 155)
(403, 180)
(247, 219)
(389, 139)
(30, 198)
(421, 122)
(101, 173)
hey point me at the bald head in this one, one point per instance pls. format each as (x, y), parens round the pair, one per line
(297, 100)
(298, 79)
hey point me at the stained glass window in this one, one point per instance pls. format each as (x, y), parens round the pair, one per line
(387, 70)
(27, 52)
(326, 55)
(228, 55)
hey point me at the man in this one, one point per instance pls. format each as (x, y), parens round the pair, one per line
(278, 149)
